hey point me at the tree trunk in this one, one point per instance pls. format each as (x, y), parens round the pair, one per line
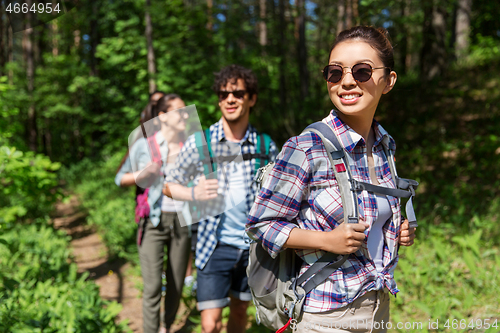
(462, 27)
(55, 41)
(433, 53)
(262, 23)
(151, 53)
(10, 54)
(340, 16)
(47, 139)
(94, 39)
(348, 14)
(210, 20)
(302, 51)
(282, 66)
(403, 53)
(2, 40)
(30, 74)
(355, 12)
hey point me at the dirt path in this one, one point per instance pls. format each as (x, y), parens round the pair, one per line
(113, 277)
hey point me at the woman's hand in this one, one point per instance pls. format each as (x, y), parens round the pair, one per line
(346, 238)
(146, 177)
(407, 234)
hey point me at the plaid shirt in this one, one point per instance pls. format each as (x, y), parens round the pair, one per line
(301, 191)
(188, 166)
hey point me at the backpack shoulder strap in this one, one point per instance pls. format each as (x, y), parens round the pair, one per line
(154, 149)
(205, 152)
(262, 151)
(340, 166)
(402, 183)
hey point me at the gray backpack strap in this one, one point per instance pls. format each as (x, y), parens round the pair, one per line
(402, 183)
(340, 167)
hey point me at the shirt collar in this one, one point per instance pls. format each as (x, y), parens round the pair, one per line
(349, 138)
(220, 136)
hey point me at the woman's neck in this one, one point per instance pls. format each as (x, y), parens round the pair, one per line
(360, 124)
(170, 135)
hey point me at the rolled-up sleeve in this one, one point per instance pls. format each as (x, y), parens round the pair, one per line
(279, 201)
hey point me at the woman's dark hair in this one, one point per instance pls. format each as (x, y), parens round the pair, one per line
(148, 113)
(164, 103)
(378, 38)
(231, 74)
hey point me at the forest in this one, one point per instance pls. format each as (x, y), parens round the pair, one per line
(75, 75)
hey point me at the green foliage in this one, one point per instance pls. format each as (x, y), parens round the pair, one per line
(40, 290)
(110, 208)
(27, 185)
(442, 277)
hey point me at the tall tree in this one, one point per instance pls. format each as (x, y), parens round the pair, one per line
(282, 68)
(462, 27)
(10, 53)
(151, 53)
(340, 16)
(2, 40)
(262, 23)
(30, 75)
(210, 20)
(433, 54)
(302, 50)
(94, 39)
(348, 14)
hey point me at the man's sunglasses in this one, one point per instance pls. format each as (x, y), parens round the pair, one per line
(361, 72)
(239, 94)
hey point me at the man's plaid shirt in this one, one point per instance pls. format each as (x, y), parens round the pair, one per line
(301, 191)
(189, 167)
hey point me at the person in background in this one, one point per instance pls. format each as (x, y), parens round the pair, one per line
(222, 250)
(161, 228)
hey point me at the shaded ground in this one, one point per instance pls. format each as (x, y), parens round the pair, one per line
(91, 255)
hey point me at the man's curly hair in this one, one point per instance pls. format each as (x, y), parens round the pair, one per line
(231, 74)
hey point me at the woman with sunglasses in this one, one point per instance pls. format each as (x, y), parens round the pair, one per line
(301, 207)
(162, 228)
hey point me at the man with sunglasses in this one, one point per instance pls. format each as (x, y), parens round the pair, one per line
(222, 247)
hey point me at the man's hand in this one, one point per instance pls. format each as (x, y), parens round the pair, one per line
(346, 238)
(206, 189)
(407, 234)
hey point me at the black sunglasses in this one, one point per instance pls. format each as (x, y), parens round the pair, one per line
(239, 94)
(361, 72)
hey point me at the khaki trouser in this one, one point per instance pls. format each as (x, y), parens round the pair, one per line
(367, 314)
(168, 233)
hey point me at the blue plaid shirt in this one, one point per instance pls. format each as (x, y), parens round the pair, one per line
(189, 167)
(301, 192)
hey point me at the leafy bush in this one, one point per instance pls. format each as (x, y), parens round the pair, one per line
(443, 277)
(40, 290)
(110, 208)
(27, 184)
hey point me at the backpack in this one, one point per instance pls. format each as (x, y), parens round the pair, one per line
(210, 161)
(142, 208)
(275, 284)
